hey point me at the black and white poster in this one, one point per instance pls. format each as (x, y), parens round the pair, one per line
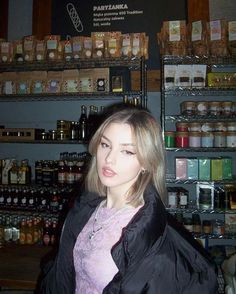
(81, 17)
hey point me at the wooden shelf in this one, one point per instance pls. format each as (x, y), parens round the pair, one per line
(20, 265)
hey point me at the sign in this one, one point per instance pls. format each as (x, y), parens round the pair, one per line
(82, 17)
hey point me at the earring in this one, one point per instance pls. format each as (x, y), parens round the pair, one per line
(143, 171)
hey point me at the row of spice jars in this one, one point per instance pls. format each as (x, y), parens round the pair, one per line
(214, 108)
(200, 139)
(218, 126)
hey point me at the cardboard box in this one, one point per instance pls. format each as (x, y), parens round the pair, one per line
(20, 134)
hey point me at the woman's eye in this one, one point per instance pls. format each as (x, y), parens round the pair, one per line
(104, 145)
(128, 152)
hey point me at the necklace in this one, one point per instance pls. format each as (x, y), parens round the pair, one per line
(102, 224)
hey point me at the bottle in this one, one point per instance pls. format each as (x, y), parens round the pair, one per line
(16, 230)
(54, 234)
(7, 230)
(24, 173)
(83, 124)
(70, 174)
(13, 173)
(29, 232)
(74, 130)
(61, 179)
(38, 172)
(46, 233)
(2, 227)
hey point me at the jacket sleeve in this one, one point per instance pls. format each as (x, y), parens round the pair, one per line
(59, 275)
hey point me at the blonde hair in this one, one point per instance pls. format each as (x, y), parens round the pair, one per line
(150, 153)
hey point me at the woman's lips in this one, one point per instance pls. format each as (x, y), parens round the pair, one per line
(107, 172)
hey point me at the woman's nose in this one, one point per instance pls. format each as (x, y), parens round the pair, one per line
(111, 156)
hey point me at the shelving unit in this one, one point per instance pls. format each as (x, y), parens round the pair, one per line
(171, 98)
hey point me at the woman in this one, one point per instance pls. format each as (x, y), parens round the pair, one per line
(118, 238)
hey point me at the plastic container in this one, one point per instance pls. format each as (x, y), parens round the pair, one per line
(231, 139)
(188, 108)
(169, 139)
(202, 108)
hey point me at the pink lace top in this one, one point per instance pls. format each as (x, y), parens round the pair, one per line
(93, 262)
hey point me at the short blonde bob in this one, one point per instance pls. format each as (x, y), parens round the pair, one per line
(150, 153)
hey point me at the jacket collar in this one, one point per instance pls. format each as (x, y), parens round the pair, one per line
(144, 230)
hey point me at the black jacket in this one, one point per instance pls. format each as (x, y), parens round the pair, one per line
(152, 256)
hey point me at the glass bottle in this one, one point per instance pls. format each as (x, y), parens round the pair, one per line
(61, 173)
(13, 173)
(46, 233)
(83, 124)
(22, 240)
(24, 173)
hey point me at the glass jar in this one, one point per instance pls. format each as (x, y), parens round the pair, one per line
(207, 127)
(215, 108)
(194, 127)
(188, 108)
(231, 139)
(202, 108)
(182, 140)
(220, 127)
(231, 126)
(169, 139)
(182, 127)
(206, 227)
(188, 223)
(227, 108)
(194, 139)
(205, 198)
(218, 227)
(219, 139)
(207, 139)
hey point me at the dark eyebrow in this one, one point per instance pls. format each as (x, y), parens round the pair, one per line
(123, 144)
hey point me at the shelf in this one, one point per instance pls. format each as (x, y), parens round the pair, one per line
(66, 96)
(203, 149)
(224, 61)
(206, 91)
(175, 181)
(200, 211)
(45, 142)
(202, 118)
(79, 64)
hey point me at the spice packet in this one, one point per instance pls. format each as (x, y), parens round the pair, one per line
(9, 83)
(199, 75)
(77, 47)
(54, 80)
(98, 39)
(52, 44)
(23, 82)
(126, 50)
(38, 82)
(113, 44)
(6, 52)
(29, 48)
(70, 83)
(18, 51)
(86, 80)
(40, 50)
(87, 47)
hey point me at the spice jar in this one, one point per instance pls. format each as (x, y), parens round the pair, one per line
(182, 127)
(188, 108)
(227, 108)
(202, 108)
(206, 227)
(218, 227)
(220, 127)
(169, 139)
(182, 139)
(204, 198)
(197, 225)
(231, 139)
(194, 127)
(231, 126)
(215, 108)
(207, 139)
(207, 127)
(194, 139)
(219, 139)
(188, 223)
